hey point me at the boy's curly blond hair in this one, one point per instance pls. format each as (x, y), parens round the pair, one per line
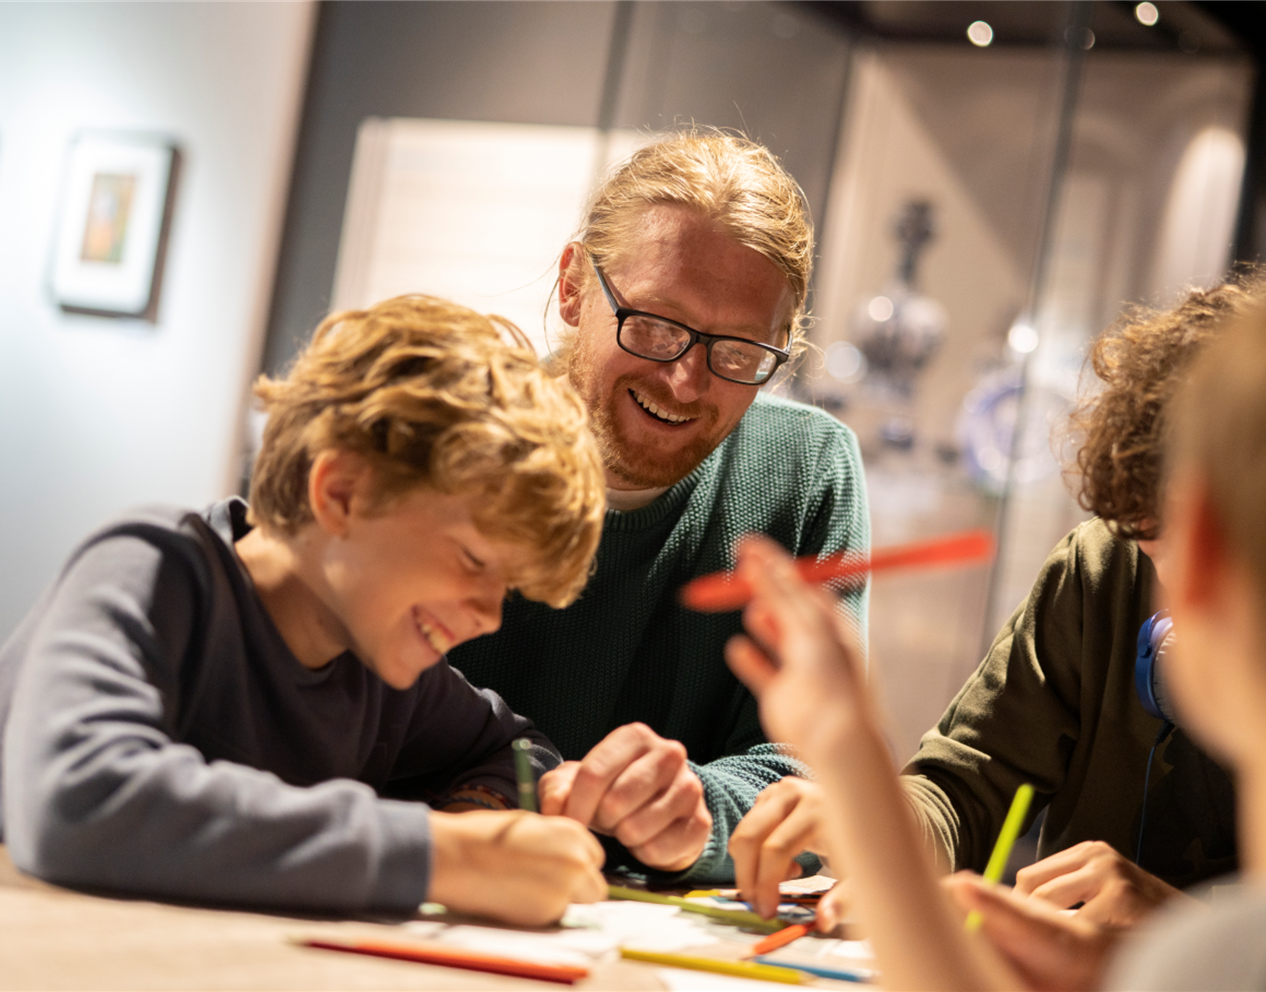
(432, 394)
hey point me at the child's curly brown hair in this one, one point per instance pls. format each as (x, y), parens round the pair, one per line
(1140, 361)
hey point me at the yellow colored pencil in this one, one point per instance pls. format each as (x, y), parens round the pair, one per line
(740, 969)
(1002, 850)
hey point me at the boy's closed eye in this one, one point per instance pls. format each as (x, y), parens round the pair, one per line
(470, 560)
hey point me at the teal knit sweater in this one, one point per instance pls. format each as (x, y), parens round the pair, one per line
(627, 651)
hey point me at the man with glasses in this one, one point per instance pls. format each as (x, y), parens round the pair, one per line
(683, 295)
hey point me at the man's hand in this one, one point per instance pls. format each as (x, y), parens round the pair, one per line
(785, 820)
(539, 865)
(637, 787)
(1049, 949)
(1115, 891)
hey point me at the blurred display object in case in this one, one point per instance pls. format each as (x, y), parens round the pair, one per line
(900, 329)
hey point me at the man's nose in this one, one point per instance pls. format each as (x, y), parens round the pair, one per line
(688, 377)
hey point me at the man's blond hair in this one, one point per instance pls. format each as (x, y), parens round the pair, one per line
(734, 183)
(434, 395)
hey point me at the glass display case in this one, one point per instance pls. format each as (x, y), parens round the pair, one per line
(1075, 163)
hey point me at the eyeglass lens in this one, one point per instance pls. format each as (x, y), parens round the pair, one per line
(660, 341)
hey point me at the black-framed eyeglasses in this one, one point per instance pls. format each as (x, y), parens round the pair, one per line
(659, 339)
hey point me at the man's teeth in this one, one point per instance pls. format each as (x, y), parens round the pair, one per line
(654, 410)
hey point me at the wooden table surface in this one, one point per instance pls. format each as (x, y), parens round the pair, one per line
(53, 938)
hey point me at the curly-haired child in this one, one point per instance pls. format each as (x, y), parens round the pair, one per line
(1054, 702)
(1215, 584)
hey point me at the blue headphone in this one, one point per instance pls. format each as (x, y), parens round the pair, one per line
(1155, 637)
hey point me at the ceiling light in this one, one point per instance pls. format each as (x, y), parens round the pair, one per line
(1022, 338)
(980, 34)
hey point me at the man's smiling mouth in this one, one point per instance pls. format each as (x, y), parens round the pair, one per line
(663, 416)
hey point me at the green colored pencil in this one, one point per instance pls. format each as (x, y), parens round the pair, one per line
(1002, 850)
(739, 917)
(522, 748)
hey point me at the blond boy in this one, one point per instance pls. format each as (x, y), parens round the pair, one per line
(245, 705)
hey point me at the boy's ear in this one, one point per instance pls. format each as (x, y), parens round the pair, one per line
(335, 484)
(571, 274)
(1202, 556)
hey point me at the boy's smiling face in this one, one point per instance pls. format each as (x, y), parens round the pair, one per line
(398, 584)
(409, 582)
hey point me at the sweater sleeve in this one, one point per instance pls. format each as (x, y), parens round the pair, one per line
(730, 786)
(1014, 721)
(98, 791)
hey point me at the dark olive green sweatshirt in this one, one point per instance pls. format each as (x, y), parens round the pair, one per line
(1054, 704)
(628, 651)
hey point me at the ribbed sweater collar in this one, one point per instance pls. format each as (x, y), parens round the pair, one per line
(668, 504)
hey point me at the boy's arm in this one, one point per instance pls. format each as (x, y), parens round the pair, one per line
(812, 690)
(458, 727)
(1015, 720)
(97, 793)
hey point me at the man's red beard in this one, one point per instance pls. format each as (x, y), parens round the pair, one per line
(641, 466)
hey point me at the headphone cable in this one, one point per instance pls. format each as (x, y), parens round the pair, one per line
(1166, 727)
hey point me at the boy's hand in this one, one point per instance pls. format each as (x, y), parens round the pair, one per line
(785, 820)
(637, 787)
(1115, 892)
(515, 866)
(1048, 948)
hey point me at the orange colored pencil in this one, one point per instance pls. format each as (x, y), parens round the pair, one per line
(722, 591)
(454, 957)
(781, 938)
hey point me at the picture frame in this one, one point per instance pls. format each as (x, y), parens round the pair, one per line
(112, 229)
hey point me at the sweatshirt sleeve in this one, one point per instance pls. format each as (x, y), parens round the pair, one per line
(1015, 720)
(98, 792)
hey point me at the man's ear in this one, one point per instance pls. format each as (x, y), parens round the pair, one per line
(571, 277)
(336, 485)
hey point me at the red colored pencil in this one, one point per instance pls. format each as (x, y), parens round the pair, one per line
(454, 957)
(781, 938)
(722, 591)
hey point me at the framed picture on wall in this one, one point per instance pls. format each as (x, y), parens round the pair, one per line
(114, 216)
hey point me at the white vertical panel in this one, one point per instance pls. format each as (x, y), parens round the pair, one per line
(475, 212)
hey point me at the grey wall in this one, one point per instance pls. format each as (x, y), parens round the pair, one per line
(97, 414)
